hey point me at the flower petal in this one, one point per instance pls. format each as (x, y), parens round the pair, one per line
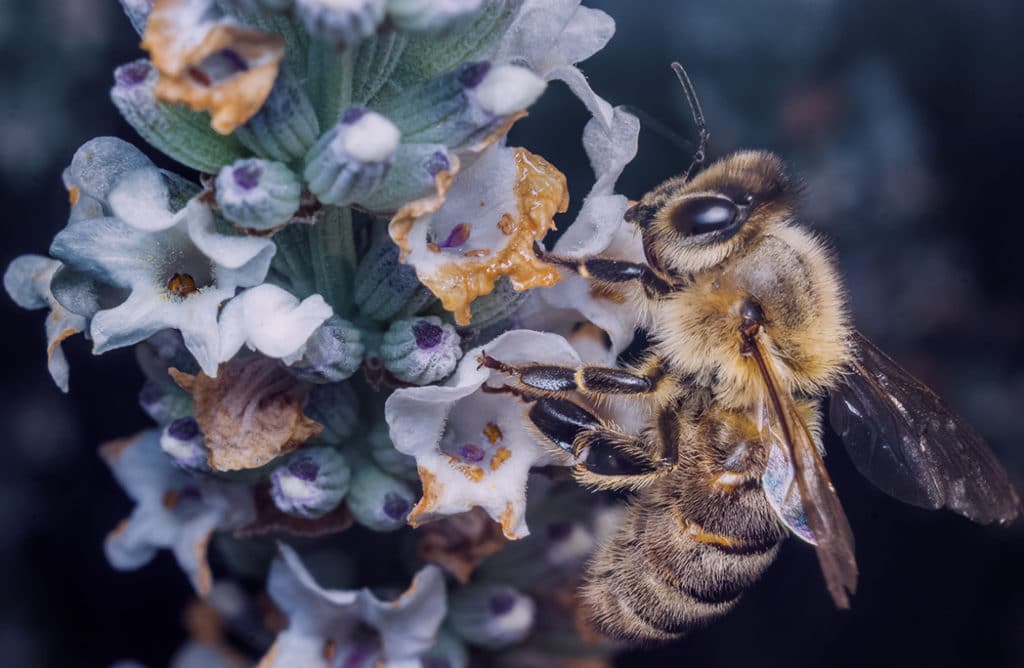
(508, 198)
(210, 63)
(141, 199)
(270, 320)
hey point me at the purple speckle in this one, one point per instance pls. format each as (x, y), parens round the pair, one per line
(189, 493)
(436, 662)
(458, 236)
(437, 162)
(132, 74)
(395, 506)
(473, 73)
(357, 657)
(559, 531)
(502, 603)
(247, 176)
(304, 468)
(471, 453)
(183, 429)
(353, 114)
(236, 60)
(428, 335)
(150, 394)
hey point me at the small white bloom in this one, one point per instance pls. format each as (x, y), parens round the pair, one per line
(472, 447)
(270, 320)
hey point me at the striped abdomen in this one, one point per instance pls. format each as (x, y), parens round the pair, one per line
(683, 555)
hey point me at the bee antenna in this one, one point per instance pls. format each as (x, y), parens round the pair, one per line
(698, 118)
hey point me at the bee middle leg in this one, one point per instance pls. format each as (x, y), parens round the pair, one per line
(589, 380)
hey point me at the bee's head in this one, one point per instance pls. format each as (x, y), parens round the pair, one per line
(690, 226)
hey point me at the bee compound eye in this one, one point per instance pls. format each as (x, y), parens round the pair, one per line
(700, 215)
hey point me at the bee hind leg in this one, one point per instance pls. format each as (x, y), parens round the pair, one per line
(607, 457)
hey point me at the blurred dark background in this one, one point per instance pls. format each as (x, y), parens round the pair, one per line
(905, 120)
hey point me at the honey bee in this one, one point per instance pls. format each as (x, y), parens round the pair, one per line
(749, 333)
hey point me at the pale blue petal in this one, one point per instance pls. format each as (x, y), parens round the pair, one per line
(27, 280)
(100, 163)
(106, 249)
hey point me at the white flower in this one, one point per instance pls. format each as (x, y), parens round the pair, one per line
(177, 267)
(472, 447)
(270, 320)
(598, 230)
(173, 510)
(551, 36)
(496, 209)
(320, 618)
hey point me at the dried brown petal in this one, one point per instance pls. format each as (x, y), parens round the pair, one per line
(540, 192)
(458, 543)
(250, 413)
(211, 65)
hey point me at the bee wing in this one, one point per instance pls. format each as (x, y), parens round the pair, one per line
(806, 500)
(903, 438)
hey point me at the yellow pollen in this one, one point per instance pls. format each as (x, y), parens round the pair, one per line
(500, 457)
(492, 432)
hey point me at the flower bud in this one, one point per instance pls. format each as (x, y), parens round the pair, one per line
(412, 176)
(334, 405)
(333, 353)
(385, 287)
(183, 442)
(258, 194)
(491, 616)
(377, 500)
(448, 652)
(164, 405)
(352, 158)
(384, 454)
(463, 106)
(569, 543)
(173, 129)
(340, 24)
(502, 302)
(311, 483)
(421, 350)
(429, 15)
(285, 127)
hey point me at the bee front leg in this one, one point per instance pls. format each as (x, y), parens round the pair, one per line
(610, 271)
(608, 457)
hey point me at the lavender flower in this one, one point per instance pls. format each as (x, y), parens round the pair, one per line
(309, 315)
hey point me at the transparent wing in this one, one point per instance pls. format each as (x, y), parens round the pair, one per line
(805, 498)
(903, 438)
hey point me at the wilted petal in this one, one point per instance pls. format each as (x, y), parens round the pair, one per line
(270, 320)
(210, 63)
(485, 228)
(458, 543)
(472, 448)
(250, 413)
